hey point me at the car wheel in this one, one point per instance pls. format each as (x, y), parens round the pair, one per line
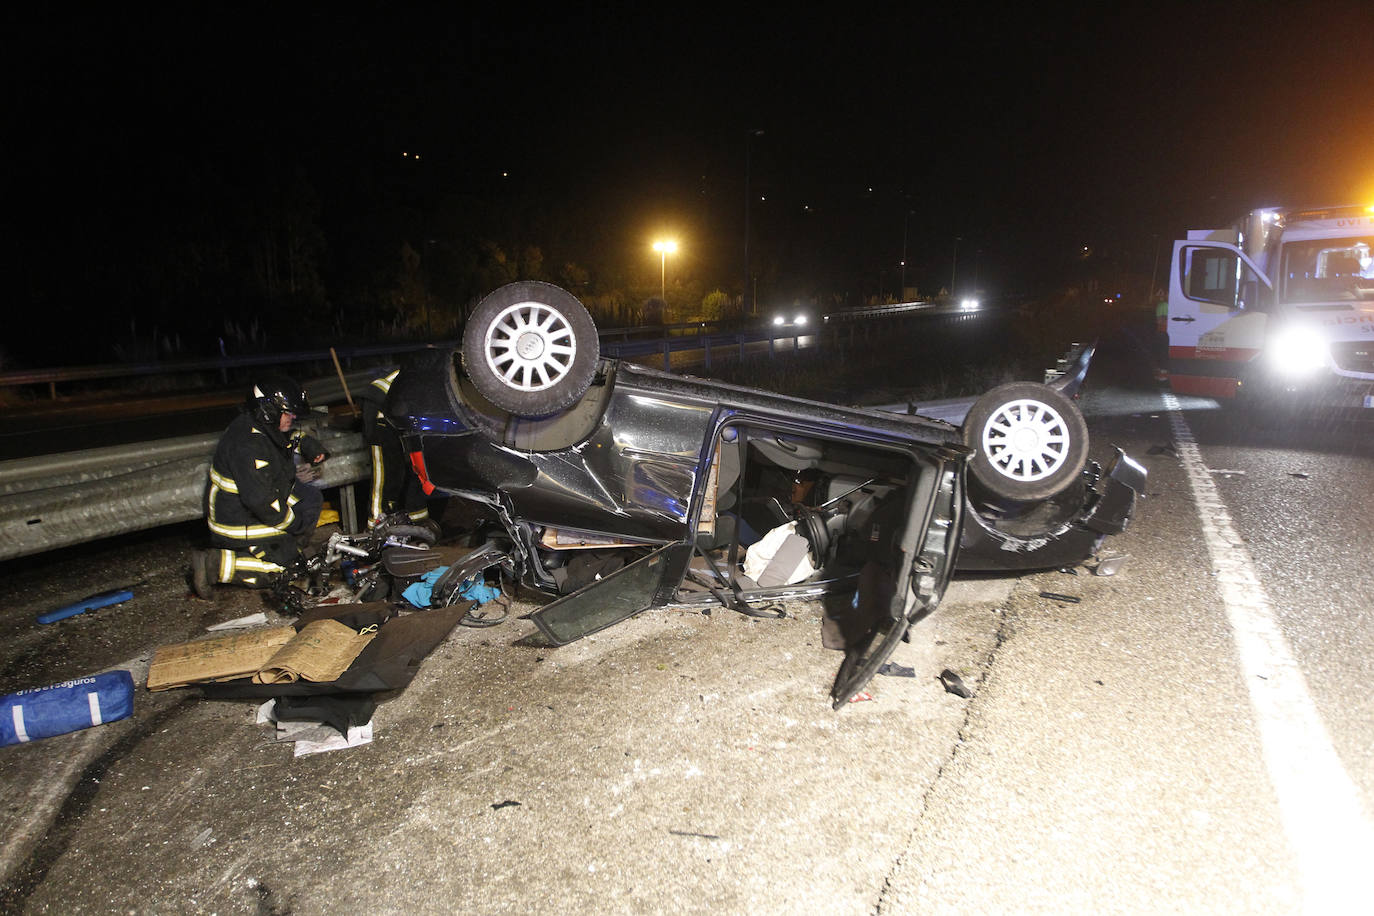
(530, 348)
(1031, 441)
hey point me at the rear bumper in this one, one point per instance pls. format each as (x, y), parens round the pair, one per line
(1107, 506)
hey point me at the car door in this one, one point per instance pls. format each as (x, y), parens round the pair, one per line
(913, 547)
(1215, 323)
(605, 602)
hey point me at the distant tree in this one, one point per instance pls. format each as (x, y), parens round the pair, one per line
(717, 306)
(288, 248)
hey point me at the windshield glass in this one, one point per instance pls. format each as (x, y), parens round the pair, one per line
(1328, 270)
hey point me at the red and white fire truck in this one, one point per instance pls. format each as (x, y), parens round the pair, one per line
(1279, 306)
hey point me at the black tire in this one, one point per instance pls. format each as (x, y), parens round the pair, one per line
(1030, 441)
(530, 348)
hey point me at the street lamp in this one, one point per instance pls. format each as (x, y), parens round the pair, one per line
(901, 294)
(954, 265)
(664, 248)
(745, 298)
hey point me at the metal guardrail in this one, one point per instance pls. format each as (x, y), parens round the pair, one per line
(53, 376)
(60, 500)
(699, 329)
(53, 501)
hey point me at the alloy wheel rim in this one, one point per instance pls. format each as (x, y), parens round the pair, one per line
(530, 346)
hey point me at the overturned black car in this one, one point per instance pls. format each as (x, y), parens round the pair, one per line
(620, 488)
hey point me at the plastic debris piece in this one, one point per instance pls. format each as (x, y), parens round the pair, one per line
(1301, 475)
(1056, 596)
(954, 684)
(357, 735)
(894, 670)
(703, 836)
(241, 623)
(1226, 472)
(1110, 566)
(89, 603)
(508, 803)
(861, 697)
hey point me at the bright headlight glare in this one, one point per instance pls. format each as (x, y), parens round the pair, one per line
(1297, 351)
(801, 319)
(778, 319)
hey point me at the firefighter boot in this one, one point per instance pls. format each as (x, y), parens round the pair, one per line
(204, 573)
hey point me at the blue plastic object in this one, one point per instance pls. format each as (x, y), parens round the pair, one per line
(89, 603)
(46, 711)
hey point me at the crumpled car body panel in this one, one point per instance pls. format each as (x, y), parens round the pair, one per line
(685, 474)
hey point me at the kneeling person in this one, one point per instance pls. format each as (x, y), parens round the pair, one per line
(259, 505)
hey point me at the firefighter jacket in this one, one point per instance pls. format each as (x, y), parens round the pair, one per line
(249, 499)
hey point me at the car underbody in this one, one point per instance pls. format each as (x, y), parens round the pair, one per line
(645, 488)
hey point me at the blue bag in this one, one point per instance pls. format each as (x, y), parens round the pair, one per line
(46, 711)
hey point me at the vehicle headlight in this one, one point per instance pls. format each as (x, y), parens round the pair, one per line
(801, 319)
(1297, 351)
(969, 304)
(779, 320)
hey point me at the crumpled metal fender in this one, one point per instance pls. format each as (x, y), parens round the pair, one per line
(1107, 509)
(491, 554)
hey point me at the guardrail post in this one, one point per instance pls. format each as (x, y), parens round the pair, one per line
(706, 345)
(667, 349)
(772, 350)
(348, 509)
(740, 338)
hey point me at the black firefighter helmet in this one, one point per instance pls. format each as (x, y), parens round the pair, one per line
(273, 394)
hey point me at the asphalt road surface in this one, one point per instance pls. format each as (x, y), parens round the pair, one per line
(1194, 734)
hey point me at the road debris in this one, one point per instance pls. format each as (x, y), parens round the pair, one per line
(891, 669)
(89, 603)
(314, 735)
(1056, 596)
(240, 623)
(1109, 565)
(1167, 449)
(508, 803)
(1301, 475)
(954, 684)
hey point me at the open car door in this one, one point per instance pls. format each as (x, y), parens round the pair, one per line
(912, 548)
(611, 599)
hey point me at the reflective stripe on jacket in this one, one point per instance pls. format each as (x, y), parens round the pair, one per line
(251, 476)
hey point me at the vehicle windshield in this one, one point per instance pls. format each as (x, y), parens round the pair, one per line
(1328, 270)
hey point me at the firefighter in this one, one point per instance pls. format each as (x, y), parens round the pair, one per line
(260, 505)
(395, 488)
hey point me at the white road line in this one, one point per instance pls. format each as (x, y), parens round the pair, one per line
(1329, 833)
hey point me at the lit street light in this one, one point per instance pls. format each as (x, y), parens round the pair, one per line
(664, 248)
(954, 265)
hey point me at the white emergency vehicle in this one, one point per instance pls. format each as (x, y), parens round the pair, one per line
(1279, 306)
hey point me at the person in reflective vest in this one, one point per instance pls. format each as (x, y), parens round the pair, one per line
(395, 488)
(259, 503)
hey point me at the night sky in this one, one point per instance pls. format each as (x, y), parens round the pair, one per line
(1027, 132)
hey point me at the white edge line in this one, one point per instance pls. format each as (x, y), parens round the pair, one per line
(1323, 816)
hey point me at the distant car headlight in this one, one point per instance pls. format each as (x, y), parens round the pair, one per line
(779, 321)
(1297, 351)
(969, 305)
(800, 319)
